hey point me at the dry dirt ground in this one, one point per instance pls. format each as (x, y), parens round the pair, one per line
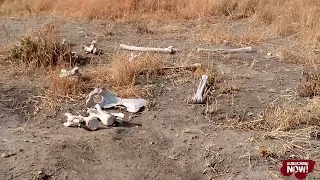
(171, 140)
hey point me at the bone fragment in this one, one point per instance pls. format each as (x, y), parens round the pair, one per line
(106, 118)
(226, 51)
(91, 122)
(66, 73)
(168, 50)
(198, 97)
(133, 105)
(92, 48)
(106, 99)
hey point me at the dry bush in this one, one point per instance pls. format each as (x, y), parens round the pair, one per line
(309, 84)
(122, 72)
(297, 53)
(111, 9)
(118, 76)
(67, 88)
(42, 48)
(283, 17)
(290, 116)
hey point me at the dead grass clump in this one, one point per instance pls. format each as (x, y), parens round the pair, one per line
(42, 48)
(223, 35)
(297, 53)
(282, 17)
(122, 72)
(118, 76)
(309, 84)
(67, 88)
(291, 116)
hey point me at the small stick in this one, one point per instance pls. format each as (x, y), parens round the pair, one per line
(191, 67)
(226, 51)
(168, 50)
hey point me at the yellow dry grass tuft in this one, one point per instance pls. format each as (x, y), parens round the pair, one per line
(290, 116)
(118, 76)
(42, 48)
(223, 35)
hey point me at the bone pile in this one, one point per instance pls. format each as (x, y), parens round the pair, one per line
(96, 101)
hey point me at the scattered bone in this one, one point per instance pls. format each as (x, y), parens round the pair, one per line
(226, 51)
(198, 97)
(106, 99)
(92, 48)
(6, 154)
(133, 105)
(106, 118)
(73, 72)
(168, 50)
(91, 122)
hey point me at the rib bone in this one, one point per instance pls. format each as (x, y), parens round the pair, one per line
(198, 97)
(168, 50)
(226, 51)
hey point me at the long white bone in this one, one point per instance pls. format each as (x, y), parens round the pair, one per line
(91, 122)
(168, 50)
(66, 73)
(106, 99)
(226, 51)
(198, 97)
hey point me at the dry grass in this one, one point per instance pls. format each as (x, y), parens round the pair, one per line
(309, 85)
(283, 17)
(298, 53)
(118, 76)
(290, 115)
(222, 34)
(42, 48)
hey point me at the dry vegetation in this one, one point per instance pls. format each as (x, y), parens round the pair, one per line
(118, 76)
(222, 34)
(283, 17)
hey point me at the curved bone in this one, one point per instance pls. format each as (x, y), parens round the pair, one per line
(198, 97)
(168, 50)
(133, 105)
(108, 100)
(226, 51)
